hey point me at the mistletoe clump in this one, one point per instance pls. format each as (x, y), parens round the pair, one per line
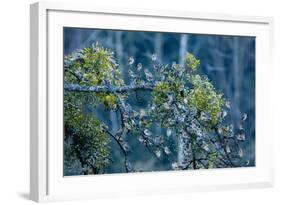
(84, 138)
(205, 98)
(93, 66)
(184, 105)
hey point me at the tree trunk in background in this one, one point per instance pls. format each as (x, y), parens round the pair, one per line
(182, 52)
(91, 39)
(119, 49)
(119, 56)
(236, 79)
(181, 147)
(158, 50)
(183, 48)
(76, 41)
(158, 46)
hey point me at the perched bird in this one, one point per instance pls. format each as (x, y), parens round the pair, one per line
(227, 104)
(244, 117)
(167, 150)
(205, 116)
(158, 153)
(147, 132)
(133, 82)
(156, 67)
(148, 75)
(131, 60)
(132, 74)
(241, 136)
(153, 57)
(169, 132)
(139, 67)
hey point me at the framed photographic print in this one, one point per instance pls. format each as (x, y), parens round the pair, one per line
(127, 102)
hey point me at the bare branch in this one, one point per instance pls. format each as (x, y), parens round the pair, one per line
(125, 153)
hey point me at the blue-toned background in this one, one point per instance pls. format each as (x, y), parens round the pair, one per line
(229, 61)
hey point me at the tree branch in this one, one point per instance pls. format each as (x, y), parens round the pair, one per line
(122, 149)
(108, 88)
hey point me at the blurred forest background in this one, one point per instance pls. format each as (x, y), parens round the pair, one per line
(229, 61)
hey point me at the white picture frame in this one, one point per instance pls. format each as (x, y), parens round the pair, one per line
(46, 178)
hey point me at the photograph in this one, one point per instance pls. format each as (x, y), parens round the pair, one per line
(150, 101)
